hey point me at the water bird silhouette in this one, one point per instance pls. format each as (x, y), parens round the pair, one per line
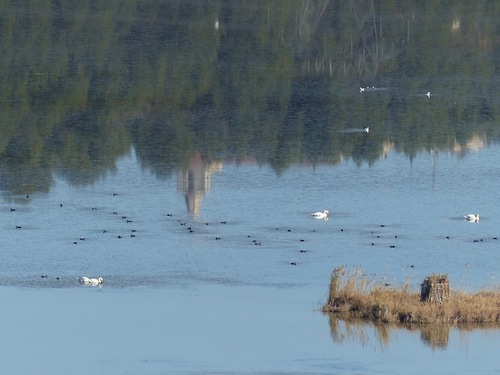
(472, 218)
(372, 89)
(428, 94)
(355, 130)
(91, 281)
(320, 215)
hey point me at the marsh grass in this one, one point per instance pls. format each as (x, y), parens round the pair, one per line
(353, 295)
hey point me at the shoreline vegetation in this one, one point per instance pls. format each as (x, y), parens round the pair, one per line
(353, 295)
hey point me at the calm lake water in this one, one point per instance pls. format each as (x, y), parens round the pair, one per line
(176, 301)
(177, 150)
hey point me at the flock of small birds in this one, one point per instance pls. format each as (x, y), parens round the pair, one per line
(84, 280)
(254, 242)
(325, 215)
(320, 215)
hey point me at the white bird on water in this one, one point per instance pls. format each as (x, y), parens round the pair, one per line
(472, 217)
(320, 215)
(367, 129)
(91, 281)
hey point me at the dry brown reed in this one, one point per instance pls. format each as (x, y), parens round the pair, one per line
(353, 295)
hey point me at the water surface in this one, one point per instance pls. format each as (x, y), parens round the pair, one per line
(177, 149)
(180, 301)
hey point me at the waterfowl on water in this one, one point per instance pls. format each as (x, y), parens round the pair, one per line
(367, 129)
(367, 88)
(91, 281)
(428, 94)
(472, 217)
(320, 215)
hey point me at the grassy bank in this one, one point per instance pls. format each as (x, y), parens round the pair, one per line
(352, 295)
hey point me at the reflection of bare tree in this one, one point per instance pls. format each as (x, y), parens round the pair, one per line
(195, 182)
(362, 33)
(312, 11)
(369, 44)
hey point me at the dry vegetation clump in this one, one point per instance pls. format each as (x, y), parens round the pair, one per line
(352, 295)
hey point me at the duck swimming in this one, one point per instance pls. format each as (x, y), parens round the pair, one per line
(91, 281)
(320, 215)
(472, 217)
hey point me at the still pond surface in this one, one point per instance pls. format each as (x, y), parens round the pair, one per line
(180, 301)
(177, 150)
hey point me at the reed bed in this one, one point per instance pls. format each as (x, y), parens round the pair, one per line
(353, 295)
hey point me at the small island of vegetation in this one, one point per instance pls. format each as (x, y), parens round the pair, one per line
(353, 295)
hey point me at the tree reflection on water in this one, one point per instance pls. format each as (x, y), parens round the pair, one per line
(278, 82)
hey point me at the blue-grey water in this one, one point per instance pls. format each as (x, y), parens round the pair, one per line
(176, 301)
(177, 149)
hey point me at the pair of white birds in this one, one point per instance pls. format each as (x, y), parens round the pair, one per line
(472, 217)
(324, 215)
(91, 281)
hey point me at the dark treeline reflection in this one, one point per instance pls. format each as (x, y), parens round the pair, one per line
(83, 82)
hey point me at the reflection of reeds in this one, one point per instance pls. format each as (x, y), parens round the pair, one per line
(435, 335)
(356, 329)
(352, 295)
